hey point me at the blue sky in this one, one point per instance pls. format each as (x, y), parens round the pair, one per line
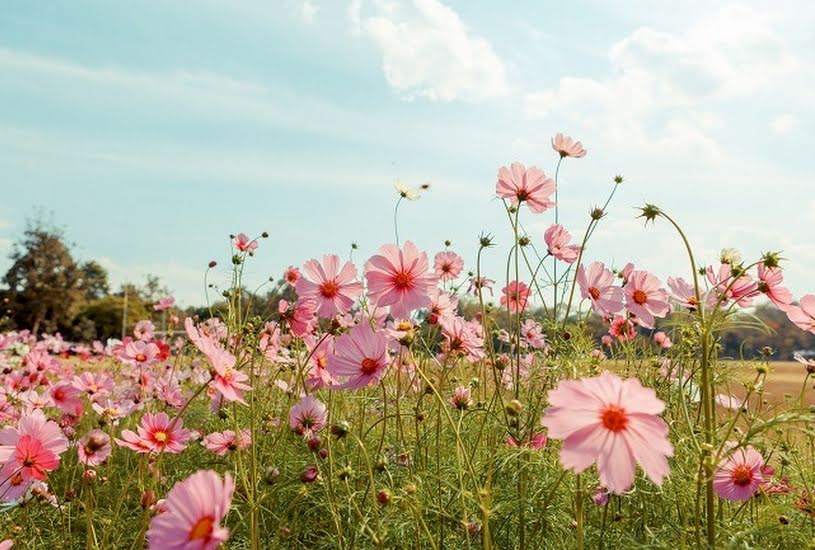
(152, 130)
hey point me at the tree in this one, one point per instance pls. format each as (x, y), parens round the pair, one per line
(44, 282)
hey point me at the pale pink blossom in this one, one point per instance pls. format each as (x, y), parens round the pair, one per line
(333, 290)
(567, 147)
(399, 278)
(803, 315)
(308, 416)
(447, 265)
(164, 303)
(223, 442)
(144, 330)
(739, 476)
(94, 448)
(596, 284)
(515, 296)
(156, 433)
(557, 242)
(360, 357)
(645, 298)
(770, 280)
(526, 185)
(243, 243)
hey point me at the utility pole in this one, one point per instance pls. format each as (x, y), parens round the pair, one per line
(124, 312)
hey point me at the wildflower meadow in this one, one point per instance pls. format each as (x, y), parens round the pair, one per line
(409, 400)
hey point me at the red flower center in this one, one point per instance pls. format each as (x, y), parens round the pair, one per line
(640, 297)
(594, 293)
(402, 280)
(202, 529)
(522, 195)
(369, 366)
(742, 475)
(329, 289)
(614, 418)
(141, 358)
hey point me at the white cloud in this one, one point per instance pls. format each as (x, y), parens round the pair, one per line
(308, 11)
(428, 51)
(663, 84)
(784, 124)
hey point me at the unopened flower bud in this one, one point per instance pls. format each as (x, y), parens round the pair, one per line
(514, 408)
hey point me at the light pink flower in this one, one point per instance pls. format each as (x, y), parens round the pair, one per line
(739, 476)
(361, 356)
(536, 442)
(245, 244)
(567, 147)
(557, 242)
(194, 509)
(308, 416)
(662, 340)
(164, 304)
(515, 296)
(530, 185)
(613, 423)
(333, 290)
(448, 265)
(221, 443)
(742, 290)
(462, 399)
(228, 380)
(67, 398)
(94, 448)
(478, 285)
(399, 278)
(803, 315)
(156, 433)
(533, 333)
(770, 280)
(596, 284)
(140, 354)
(442, 304)
(301, 316)
(462, 337)
(144, 330)
(645, 298)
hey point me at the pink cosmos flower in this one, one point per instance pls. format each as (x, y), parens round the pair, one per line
(533, 333)
(221, 443)
(463, 338)
(567, 147)
(596, 285)
(536, 442)
(301, 317)
(95, 386)
(742, 290)
(448, 265)
(164, 304)
(662, 340)
(442, 304)
(140, 354)
(6, 544)
(645, 298)
(361, 356)
(623, 329)
(684, 293)
(803, 315)
(769, 282)
(399, 278)
(28, 451)
(515, 296)
(739, 476)
(557, 241)
(156, 433)
(530, 185)
(66, 398)
(612, 422)
(94, 448)
(292, 275)
(244, 244)
(144, 330)
(194, 509)
(228, 380)
(809, 364)
(462, 398)
(478, 285)
(308, 416)
(332, 289)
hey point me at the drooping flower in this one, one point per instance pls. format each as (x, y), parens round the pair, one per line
(156, 433)
(530, 185)
(803, 315)
(739, 476)
(613, 423)
(94, 448)
(462, 399)
(567, 147)
(399, 278)
(442, 304)
(645, 298)
(308, 416)
(221, 443)
(596, 284)
(532, 332)
(192, 514)
(448, 265)
(245, 244)
(729, 284)
(333, 290)
(770, 280)
(557, 242)
(515, 296)
(164, 304)
(361, 357)
(479, 284)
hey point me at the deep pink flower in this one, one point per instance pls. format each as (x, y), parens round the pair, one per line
(567, 147)
(623, 329)
(739, 476)
(308, 416)
(194, 509)
(244, 244)
(94, 448)
(530, 185)
(596, 284)
(803, 315)
(399, 278)
(770, 280)
(221, 443)
(448, 265)
(301, 316)
(462, 398)
(515, 296)
(292, 275)
(361, 356)
(557, 242)
(156, 433)
(613, 423)
(332, 289)
(645, 298)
